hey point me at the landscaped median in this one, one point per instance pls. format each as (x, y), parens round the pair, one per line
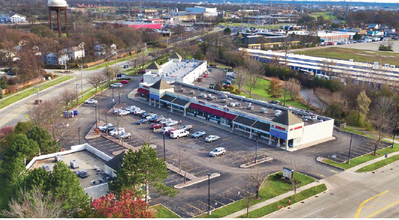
(273, 186)
(362, 159)
(265, 210)
(161, 211)
(378, 164)
(27, 92)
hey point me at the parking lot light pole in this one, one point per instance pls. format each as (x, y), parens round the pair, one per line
(209, 193)
(256, 150)
(113, 97)
(394, 129)
(350, 147)
(95, 108)
(79, 134)
(164, 149)
(77, 95)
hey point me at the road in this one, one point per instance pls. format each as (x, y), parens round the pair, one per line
(351, 194)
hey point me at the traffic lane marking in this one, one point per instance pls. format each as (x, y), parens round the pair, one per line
(383, 209)
(312, 213)
(367, 200)
(11, 115)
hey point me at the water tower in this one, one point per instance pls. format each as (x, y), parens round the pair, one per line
(58, 6)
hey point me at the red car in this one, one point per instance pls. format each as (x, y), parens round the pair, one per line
(156, 126)
(205, 75)
(141, 72)
(124, 81)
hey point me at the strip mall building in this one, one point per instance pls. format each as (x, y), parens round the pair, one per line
(287, 130)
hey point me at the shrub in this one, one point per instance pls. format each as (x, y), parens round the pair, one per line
(238, 91)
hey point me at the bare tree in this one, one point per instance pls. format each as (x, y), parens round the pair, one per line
(34, 205)
(109, 73)
(255, 69)
(258, 181)
(247, 193)
(67, 96)
(293, 88)
(184, 161)
(96, 80)
(46, 114)
(383, 114)
(241, 74)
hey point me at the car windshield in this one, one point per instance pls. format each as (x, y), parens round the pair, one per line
(215, 150)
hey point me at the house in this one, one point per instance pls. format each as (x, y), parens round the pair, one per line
(53, 59)
(11, 17)
(75, 53)
(373, 26)
(99, 50)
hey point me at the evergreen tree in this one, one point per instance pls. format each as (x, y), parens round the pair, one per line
(42, 137)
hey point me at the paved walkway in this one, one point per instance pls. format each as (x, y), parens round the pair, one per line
(353, 169)
(272, 200)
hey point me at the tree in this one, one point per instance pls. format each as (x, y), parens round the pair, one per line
(255, 69)
(65, 186)
(67, 96)
(363, 103)
(32, 204)
(241, 74)
(293, 88)
(357, 36)
(127, 205)
(109, 73)
(227, 31)
(46, 114)
(6, 130)
(258, 181)
(1, 93)
(31, 20)
(23, 147)
(3, 82)
(43, 31)
(142, 168)
(199, 55)
(275, 88)
(42, 137)
(383, 114)
(96, 79)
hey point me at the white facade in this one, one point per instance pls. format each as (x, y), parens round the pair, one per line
(186, 72)
(10, 17)
(208, 12)
(75, 53)
(318, 131)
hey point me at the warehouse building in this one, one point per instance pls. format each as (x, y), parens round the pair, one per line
(277, 125)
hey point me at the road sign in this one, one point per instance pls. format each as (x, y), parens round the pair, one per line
(386, 155)
(287, 173)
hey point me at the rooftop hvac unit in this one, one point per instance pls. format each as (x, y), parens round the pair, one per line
(74, 164)
(58, 158)
(46, 168)
(263, 110)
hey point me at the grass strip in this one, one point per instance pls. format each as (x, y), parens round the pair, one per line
(272, 187)
(32, 91)
(362, 159)
(378, 164)
(162, 212)
(258, 213)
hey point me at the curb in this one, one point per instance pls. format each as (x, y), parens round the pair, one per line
(198, 180)
(251, 164)
(167, 209)
(320, 160)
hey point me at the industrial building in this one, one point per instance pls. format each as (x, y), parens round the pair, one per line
(358, 71)
(175, 69)
(277, 125)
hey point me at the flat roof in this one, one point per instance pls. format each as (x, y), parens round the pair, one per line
(87, 161)
(179, 69)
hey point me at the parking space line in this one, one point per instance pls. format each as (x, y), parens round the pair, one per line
(195, 207)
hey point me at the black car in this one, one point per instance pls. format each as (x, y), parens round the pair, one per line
(142, 121)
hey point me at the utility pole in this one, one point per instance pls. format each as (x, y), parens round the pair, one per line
(95, 108)
(79, 134)
(82, 47)
(394, 129)
(256, 149)
(164, 148)
(350, 147)
(113, 97)
(209, 193)
(77, 95)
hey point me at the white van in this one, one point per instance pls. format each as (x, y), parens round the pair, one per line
(277, 113)
(179, 133)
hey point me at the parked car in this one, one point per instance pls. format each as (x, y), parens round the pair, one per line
(141, 72)
(110, 128)
(116, 85)
(116, 110)
(125, 135)
(123, 112)
(130, 108)
(159, 118)
(156, 126)
(217, 152)
(165, 120)
(117, 131)
(277, 113)
(105, 126)
(136, 111)
(168, 131)
(179, 133)
(212, 138)
(198, 134)
(124, 81)
(38, 101)
(141, 112)
(187, 127)
(91, 101)
(142, 121)
(171, 123)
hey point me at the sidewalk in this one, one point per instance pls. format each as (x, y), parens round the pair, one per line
(353, 169)
(272, 200)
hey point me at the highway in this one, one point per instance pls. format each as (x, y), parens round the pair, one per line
(352, 195)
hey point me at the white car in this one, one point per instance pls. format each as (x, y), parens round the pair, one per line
(116, 110)
(104, 127)
(165, 120)
(179, 133)
(171, 123)
(117, 131)
(141, 111)
(91, 101)
(123, 112)
(212, 138)
(130, 108)
(116, 85)
(217, 152)
(136, 111)
(166, 129)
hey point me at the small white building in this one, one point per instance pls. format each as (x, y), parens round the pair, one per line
(11, 17)
(75, 53)
(208, 12)
(53, 59)
(175, 69)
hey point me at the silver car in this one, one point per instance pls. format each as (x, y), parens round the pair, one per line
(212, 138)
(217, 152)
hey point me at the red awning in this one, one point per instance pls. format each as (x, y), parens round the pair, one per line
(194, 106)
(230, 116)
(206, 109)
(144, 91)
(218, 113)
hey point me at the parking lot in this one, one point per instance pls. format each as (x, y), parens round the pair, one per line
(192, 154)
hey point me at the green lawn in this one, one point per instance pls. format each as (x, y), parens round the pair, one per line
(367, 56)
(359, 132)
(272, 187)
(27, 92)
(162, 212)
(378, 164)
(364, 158)
(325, 15)
(253, 25)
(258, 213)
(262, 84)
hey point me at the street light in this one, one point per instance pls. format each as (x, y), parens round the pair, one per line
(394, 129)
(164, 149)
(77, 95)
(209, 193)
(256, 149)
(82, 47)
(114, 50)
(95, 108)
(113, 97)
(350, 147)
